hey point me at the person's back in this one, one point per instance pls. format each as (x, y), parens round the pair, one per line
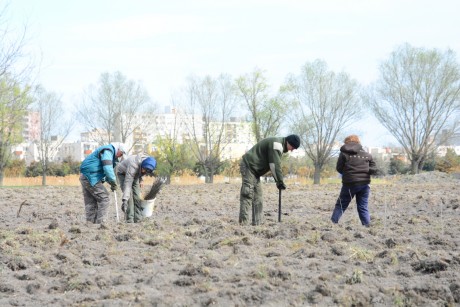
(267, 151)
(131, 165)
(130, 174)
(93, 167)
(355, 165)
(96, 169)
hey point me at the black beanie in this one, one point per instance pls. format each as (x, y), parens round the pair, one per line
(294, 140)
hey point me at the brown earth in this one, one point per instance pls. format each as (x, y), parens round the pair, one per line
(192, 252)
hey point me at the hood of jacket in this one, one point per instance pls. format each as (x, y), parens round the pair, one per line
(351, 148)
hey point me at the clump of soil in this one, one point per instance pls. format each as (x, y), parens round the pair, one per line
(192, 251)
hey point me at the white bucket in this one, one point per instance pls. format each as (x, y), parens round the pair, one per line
(148, 206)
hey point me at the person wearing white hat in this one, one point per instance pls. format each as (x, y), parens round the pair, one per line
(97, 168)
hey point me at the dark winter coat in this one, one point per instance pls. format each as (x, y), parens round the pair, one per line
(355, 165)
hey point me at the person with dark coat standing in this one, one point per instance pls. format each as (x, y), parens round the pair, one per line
(263, 157)
(356, 167)
(97, 168)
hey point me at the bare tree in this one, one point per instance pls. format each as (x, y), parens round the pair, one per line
(416, 98)
(266, 112)
(14, 61)
(111, 107)
(325, 103)
(53, 127)
(208, 104)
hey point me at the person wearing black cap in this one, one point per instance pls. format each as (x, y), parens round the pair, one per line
(130, 174)
(263, 157)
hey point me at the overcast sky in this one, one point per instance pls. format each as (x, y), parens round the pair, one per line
(162, 42)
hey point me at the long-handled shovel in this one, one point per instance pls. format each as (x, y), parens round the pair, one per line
(116, 205)
(279, 207)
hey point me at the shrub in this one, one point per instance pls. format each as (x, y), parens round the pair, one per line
(397, 167)
(449, 163)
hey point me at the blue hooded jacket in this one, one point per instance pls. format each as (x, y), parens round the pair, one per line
(99, 165)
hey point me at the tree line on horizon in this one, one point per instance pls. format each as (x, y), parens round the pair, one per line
(416, 97)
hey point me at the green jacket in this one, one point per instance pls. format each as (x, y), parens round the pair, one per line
(266, 156)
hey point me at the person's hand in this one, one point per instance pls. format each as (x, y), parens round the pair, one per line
(124, 205)
(113, 186)
(281, 186)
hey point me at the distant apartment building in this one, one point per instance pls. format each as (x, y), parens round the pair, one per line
(76, 151)
(26, 151)
(30, 151)
(386, 154)
(237, 138)
(441, 151)
(172, 123)
(95, 135)
(449, 140)
(31, 126)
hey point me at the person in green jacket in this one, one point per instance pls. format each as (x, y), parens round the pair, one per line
(263, 157)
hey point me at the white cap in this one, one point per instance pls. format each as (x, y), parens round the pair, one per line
(119, 146)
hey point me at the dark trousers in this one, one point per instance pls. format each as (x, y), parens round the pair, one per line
(346, 195)
(250, 197)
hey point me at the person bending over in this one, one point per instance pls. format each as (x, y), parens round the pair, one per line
(97, 168)
(130, 174)
(262, 157)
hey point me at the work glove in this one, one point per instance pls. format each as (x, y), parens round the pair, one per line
(113, 186)
(124, 205)
(281, 186)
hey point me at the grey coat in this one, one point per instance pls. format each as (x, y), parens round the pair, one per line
(131, 169)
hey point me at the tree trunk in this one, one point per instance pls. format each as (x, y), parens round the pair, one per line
(1, 178)
(317, 175)
(209, 175)
(44, 179)
(414, 167)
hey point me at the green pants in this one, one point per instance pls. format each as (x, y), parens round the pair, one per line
(250, 197)
(134, 211)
